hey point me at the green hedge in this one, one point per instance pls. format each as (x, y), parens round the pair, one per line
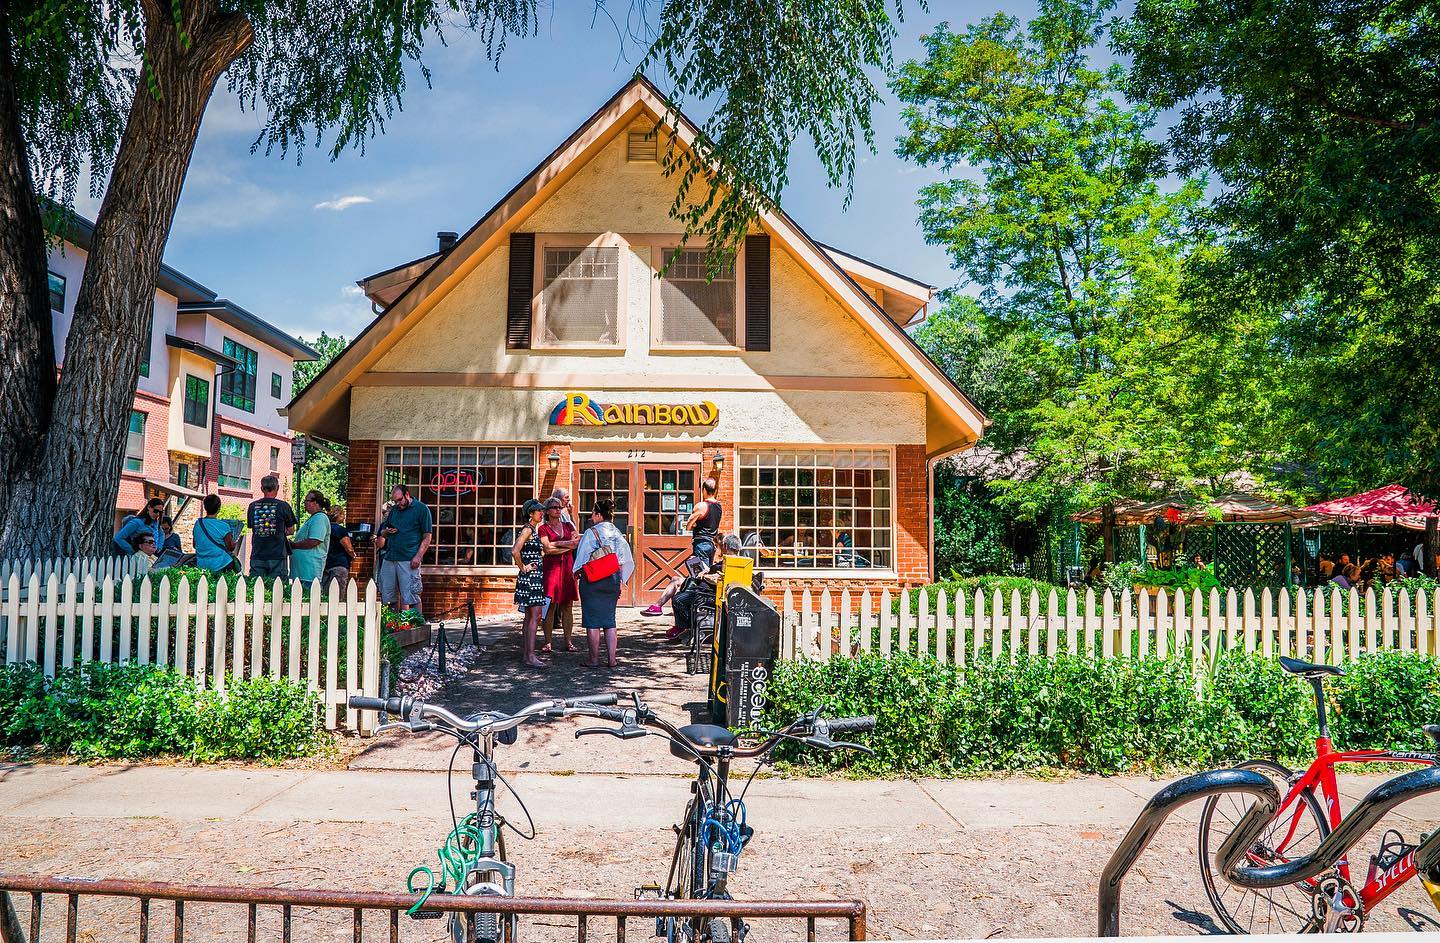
(1097, 715)
(99, 711)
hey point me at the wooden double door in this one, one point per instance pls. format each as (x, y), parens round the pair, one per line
(652, 503)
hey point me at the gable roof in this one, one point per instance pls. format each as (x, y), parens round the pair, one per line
(317, 408)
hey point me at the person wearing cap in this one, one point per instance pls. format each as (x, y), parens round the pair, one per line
(528, 555)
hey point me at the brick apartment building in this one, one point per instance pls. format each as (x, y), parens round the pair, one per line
(206, 416)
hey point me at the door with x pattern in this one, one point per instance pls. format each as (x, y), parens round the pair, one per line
(667, 496)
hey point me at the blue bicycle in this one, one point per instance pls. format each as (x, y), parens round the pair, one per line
(713, 833)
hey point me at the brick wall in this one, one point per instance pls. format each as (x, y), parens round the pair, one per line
(361, 502)
(912, 515)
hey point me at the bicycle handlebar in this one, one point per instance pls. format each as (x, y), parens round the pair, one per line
(390, 705)
(852, 724)
(489, 721)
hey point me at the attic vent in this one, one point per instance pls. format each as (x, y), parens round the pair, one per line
(641, 147)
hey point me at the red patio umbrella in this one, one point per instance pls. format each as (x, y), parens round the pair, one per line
(1390, 505)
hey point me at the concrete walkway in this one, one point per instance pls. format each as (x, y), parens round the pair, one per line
(932, 858)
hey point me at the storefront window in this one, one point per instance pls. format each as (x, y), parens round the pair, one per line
(695, 309)
(817, 509)
(580, 298)
(473, 492)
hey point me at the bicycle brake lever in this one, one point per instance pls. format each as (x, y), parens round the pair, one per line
(587, 731)
(392, 725)
(851, 746)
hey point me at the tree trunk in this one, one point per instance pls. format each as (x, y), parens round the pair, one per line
(1107, 533)
(65, 504)
(27, 345)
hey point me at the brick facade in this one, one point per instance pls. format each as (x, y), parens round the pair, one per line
(202, 474)
(492, 594)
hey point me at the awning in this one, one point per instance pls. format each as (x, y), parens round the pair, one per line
(1392, 505)
(1185, 509)
(169, 487)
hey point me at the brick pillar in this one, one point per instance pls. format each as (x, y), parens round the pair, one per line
(362, 499)
(912, 518)
(560, 477)
(726, 480)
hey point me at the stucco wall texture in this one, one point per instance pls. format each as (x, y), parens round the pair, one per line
(811, 334)
(447, 414)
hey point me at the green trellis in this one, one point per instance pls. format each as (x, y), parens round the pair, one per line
(1251, 555)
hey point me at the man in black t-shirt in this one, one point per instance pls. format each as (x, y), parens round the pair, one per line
(270, 521)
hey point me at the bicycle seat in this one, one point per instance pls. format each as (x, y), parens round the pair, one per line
(1307, 670)
(705, 737)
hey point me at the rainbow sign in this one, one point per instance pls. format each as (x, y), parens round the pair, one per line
(578, 409)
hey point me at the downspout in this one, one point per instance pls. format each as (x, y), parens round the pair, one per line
(930, 463)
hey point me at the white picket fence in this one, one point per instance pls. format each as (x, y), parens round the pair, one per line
(1165, 625)
(306, 634)
(101, 568)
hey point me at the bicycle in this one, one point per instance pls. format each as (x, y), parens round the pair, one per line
(1310, 810)
(473, 860)
(713, 832)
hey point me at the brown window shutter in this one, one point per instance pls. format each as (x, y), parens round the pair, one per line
(757, 292)
(522, 291)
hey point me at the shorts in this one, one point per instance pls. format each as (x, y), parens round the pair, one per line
(270, 568)
(704, 548)
(399, 582)
(337, 574)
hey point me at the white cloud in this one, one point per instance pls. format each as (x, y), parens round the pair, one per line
(343, 203)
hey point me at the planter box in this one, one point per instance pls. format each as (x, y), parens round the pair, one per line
(412, 636)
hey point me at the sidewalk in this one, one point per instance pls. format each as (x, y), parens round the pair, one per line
(972, 858)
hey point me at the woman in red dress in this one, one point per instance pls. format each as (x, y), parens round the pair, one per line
(558, 537)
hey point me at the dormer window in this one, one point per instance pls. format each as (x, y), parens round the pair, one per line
(580, 296)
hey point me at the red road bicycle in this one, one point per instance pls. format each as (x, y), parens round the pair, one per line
(1329, 902)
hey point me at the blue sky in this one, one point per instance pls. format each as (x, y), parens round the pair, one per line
(288, 242)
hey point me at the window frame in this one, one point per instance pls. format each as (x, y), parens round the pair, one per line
(382, 489)
(220, 476)
(277, 385)
(563, 240)
(274, 458)
(149, 343)
(237, 399)
(870, 573)
(138, 460)
(659, 249)
(50, 288)
(187, 402)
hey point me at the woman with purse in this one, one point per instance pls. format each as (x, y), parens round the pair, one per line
(214, 540)
(604, 564)
(530, 583)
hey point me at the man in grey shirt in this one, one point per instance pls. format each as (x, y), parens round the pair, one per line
(404, 537)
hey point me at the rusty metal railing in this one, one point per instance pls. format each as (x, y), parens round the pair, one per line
(394, 905)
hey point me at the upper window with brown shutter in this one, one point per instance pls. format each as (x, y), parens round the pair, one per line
(696, 307)
(579, 303)
(757, 292)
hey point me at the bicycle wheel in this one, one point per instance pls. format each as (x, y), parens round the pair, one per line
(1271, 910)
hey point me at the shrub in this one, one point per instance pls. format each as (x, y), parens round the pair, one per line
(257, 718)
(1383, 700)
(100, 711)
(1097, 715)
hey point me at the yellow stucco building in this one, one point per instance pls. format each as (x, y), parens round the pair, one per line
(545, 347)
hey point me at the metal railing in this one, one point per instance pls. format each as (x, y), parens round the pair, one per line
(145, 893)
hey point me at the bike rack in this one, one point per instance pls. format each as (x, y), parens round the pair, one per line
(393, 905)
(1376, 804)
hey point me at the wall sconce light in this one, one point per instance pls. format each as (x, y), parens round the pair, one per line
(718, 462)
(553, 460)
